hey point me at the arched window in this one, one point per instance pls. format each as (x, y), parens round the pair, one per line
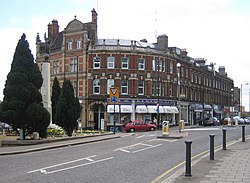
(70, 44)
(79, 43)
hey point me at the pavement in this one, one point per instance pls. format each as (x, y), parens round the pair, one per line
(231, 165)
(25, 146)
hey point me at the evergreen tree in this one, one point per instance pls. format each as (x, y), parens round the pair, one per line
(56, 90)
(21, 92)
(68, 108)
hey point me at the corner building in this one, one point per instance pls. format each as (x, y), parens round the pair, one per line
(146, 74)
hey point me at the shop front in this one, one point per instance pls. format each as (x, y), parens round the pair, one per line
(120, 114)
(196, 110)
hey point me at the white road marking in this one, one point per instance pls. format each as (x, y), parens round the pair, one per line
(129, 149)
(140, 136)
(150, 147)
(68, 168)
(201, 129)
(166, 140)
(43, 169)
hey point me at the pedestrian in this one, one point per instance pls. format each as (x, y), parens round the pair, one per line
(155, 120)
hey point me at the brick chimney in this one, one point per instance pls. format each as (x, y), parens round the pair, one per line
(162, 42)
(53, 30)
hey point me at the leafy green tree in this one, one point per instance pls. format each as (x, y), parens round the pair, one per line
(56, 90)
(67, 109)
(21, 92)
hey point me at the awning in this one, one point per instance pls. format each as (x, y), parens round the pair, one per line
(153, 109)
(170, 109)
(198, 110)
(126, 108)
(207, 107)
(110, 109)
(141, 109)
(175, 110)
(217, 111)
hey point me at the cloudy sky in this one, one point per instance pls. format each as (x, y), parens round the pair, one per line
(217, 30)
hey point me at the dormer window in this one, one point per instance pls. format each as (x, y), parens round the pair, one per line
(70, 43)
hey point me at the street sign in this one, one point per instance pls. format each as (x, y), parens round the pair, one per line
(114, 95)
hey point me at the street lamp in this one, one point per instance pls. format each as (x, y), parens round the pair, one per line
(158, 93)
(232, 101)
(179, 92)
(241, 98)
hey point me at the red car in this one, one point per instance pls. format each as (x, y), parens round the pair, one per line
(138, 125)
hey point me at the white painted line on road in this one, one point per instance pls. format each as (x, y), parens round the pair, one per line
(89, 159)
(147, 145)
(140, 136)
(150, 147)
(152, 135)
(166, 140)
(68, 168)
(42, 169)
(201, 129)
(126, 148)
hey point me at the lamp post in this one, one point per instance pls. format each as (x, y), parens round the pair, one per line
(241, 98)
(232, 100)
(179, 92)
(158, 93)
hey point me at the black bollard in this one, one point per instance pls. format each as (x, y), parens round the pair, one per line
(243, 133)
(211, 146)
(188, 158)
(224, 139)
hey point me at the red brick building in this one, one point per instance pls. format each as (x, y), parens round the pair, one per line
(146, 75)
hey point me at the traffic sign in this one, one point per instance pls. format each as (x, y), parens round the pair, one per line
(114, 95)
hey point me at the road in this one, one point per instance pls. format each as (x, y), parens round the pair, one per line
(139, 157)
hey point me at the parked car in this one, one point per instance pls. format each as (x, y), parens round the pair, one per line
(247, 120)
(139, 125)
(240, 120)
(224, 121)
(208, 122)
(216, 122)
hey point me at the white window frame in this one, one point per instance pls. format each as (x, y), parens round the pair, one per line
(97, 62)
(110, 62)
(163, 66)
(140, 87)
(74, 86)
(154, 88)
(171, 68)
(96, 86)
(124, 87)
(110, 83)
(124, 62)
(56, 66)
(70, 44)
(79, 43)
(186, 72)
(182, 71)
(153, 65)
(141, 64)
(73, 64)
(159, 65)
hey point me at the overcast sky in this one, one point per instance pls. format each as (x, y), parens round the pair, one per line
(217, 30)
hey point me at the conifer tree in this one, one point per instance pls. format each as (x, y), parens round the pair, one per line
(56, 90)
(67, 109)
(22, 104)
